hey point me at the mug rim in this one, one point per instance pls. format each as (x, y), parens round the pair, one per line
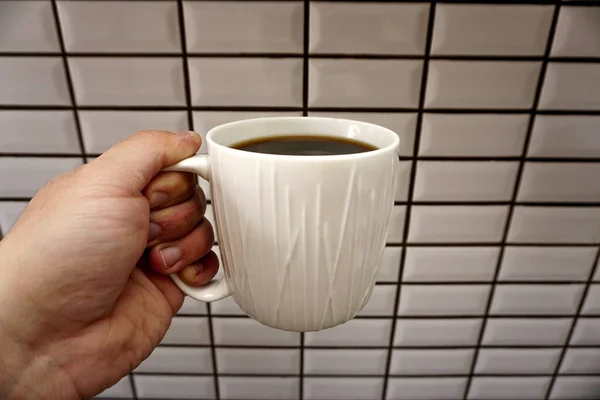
(393, 146)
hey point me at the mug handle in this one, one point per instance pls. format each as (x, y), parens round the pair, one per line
(216, 289)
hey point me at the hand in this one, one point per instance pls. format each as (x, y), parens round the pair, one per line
(76, 314)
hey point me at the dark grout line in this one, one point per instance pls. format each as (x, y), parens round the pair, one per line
(186, 72)
(576, 318)
(515, 193)
(69, 80)
(410, 196)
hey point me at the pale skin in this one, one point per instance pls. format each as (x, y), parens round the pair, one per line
(84, 291)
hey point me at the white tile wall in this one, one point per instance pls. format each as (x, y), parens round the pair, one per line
(491, 135)
(431, 264)
(518, 388)
(385, 28)
(245, 81)
(469, 125)
(364, 83)
(242, 26)
(343, 388)
(426, 388)
(431, 362)
(465, 181)
(27, 26)
(120, 26)
(565, 136)
(425, 332)
(492, 29)
(38, 132)
(481, 84)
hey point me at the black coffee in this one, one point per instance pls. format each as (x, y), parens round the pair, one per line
(304, 145)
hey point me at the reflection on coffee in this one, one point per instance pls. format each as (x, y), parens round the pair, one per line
(304, 145)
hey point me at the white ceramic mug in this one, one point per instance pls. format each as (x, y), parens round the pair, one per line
(300, 237)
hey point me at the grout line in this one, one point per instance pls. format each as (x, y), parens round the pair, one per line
(133, 388)
(356, 347)
(186, 72)
(418, 129)
(69, 80)
(507, 225)
(305, 94)
(353, 376)
(576, 318)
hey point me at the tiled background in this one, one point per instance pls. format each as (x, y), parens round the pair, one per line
(489, 286)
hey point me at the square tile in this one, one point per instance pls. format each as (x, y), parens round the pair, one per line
(437, 332)
(518, 388)
(555, 225)
(178, 360)
(389, 265)
(385, 28)
(38, 131)
(381, 303)
(536, 299)
(187, 330)
(460, 300)
(204, 121)
(28, 26)
(586, 332)
(245, 331)
(482, 135)
(128, 81)
(481, 84)
(364, 83)
(343, 388)
(457, 224)
(356, 332)
(491, 29)
(525, 331)
(277, 388)
(345, 362)
(438, 388)
(120, 390)
(258, 361)
(517, 361)
(9, 213)
(560, 182)
(102, 129)
(575, 387)
(404, 124)
(226, 306)
(546, 263)
(174, 387)
(24, 176)
(192, 307)
(244, 27)
(592, 301)
(577, 33)
(581, 361)
(465, 181)
(246, 81)
(569, 86)
(435, 264)
(397, 221)
(565, 136)
(120, 26)
(431, 362)
(29, 80)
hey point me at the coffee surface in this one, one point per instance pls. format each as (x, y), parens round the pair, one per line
(304, 145)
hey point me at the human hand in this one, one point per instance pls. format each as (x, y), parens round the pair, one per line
(77, 314)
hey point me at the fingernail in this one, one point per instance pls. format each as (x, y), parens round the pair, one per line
(170, 256)
(190, 272)
(157, 199)
(154, 231)
(186, 133)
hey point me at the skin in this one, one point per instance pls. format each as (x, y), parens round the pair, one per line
(83, 273)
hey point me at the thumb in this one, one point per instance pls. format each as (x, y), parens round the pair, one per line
(133, 162)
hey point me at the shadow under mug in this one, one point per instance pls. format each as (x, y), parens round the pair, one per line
(300, 237)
